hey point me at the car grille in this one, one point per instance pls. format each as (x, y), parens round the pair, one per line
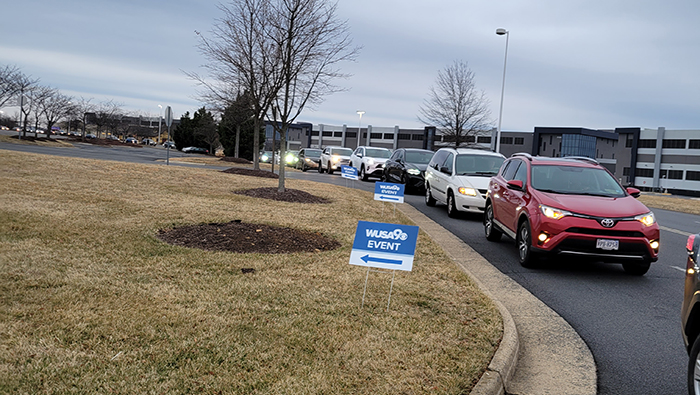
(589, 247)
(606, 232)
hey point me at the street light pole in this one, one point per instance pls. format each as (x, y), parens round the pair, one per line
(500, 32)
(160, 117)
(359, 128)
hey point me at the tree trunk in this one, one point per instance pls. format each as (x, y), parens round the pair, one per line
(238, 137)
(256, 143)
(283, 151)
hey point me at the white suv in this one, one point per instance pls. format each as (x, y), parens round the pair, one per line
(333, 157)
(369, 161)
(459, 178)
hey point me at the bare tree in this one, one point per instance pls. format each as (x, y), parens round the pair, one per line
(455, 106)
(240, 56)
(8, 83)
(24, 84)
(108, 115)
(54, 106)
(309, 42)
(35, 94)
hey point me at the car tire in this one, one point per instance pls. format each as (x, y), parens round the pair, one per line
(637, 269)
(383, 177)
(523, 239)
(429, 199)
(363, 173)
(694, 368)
(320, 167)
(451, 205)
(329, 170)
(492, 234)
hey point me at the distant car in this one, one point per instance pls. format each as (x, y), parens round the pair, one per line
(148, 141)
(459, 178)
(690, 313)
(195, 150)
(112, 137)
(3, 127)
(291, 158)
(90, 136)
(369, 161)
(131, 140)
(265, 157)
(169, 144)
(332, 157)
(407, 166)
(570, 207)
(308, 159)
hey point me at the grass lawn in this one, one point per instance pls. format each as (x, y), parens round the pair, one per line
(92, 302)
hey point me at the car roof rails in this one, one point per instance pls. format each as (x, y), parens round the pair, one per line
(583, 159)
(524, 154)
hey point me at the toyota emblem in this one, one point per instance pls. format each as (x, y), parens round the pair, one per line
(607, 222)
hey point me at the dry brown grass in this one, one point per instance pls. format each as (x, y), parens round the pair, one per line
(92, 302)
(673, 203)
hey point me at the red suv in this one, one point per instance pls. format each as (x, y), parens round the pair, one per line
(570, 206)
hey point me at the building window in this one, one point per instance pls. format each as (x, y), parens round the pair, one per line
(625, 171)
(676, 144)
(649, 173)
(471, 139)
(327, 134)
(388, 136)
(338, 134)
(418, 137)
(351, 135)
(692, 175)
(671, 174)
(646, 143)
(375, 136)
(507, 140)
(519, 141)
(404, 136)
(694, 144)
(483, 139)
(314, 132)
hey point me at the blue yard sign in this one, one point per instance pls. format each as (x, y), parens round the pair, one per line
(384, 246)
(388, 192)
(348, 172)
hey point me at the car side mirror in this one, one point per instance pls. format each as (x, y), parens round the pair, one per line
(515, 184)
(445, 170)
(634, 192)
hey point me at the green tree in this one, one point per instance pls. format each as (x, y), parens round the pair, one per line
(195, 131)
(238, 118)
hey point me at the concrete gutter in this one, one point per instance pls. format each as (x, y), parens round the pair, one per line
(540, 353)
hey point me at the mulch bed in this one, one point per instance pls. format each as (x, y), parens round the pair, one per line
(251, 172)
(239, 237)
(236, 160)
(289, 195)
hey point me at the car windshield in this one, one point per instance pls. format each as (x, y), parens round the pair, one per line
(377, 153)
(341, 151)
(312, 152)
(478, 165)
(421, 158)
(574, 180)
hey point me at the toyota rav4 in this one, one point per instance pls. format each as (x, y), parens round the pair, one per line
(570, 207)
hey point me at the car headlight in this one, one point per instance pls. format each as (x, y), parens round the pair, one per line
(335, 159)
(370, 162)
(647, 219)
(264, 157)
(467, 191)
(414, 172)
(553, 213)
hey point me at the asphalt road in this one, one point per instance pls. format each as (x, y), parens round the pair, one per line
(631, 324)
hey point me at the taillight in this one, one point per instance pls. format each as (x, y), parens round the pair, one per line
(689, 244)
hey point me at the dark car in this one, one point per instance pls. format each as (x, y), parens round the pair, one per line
(195, 150)
(407, 166)
(571, 207)
(308, 159)
(690, 313)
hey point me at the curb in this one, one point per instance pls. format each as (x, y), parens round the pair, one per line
(540, 353)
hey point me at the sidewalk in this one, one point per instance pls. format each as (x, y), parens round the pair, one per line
(540, 353)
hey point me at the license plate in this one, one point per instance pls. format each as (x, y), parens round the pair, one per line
(607, 244)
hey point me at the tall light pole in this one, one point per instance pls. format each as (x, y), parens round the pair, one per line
(500, 32)
(359, 128)
(160, 117)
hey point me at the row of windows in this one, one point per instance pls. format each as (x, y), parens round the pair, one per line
(512, 140)
(667, 174)
(669, 143)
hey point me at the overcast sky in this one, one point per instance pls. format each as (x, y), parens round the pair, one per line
(593, 64)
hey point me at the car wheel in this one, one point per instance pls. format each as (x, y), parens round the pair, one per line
(451, 206)
(383, 177)
(403, 179)
(363, 174)
(524, 241)
(638, 269)
(694, 368)
(329, 170)
(429, 199)
(492, 234)
(320, 167)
